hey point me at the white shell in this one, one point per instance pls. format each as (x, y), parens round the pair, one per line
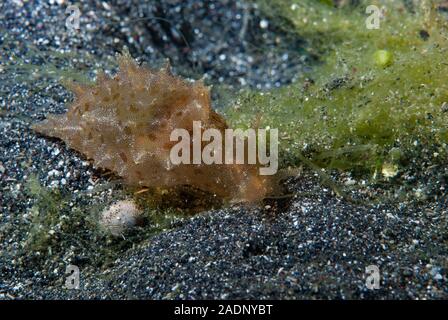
(120, 217)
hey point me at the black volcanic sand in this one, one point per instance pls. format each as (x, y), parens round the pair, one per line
(314, 245)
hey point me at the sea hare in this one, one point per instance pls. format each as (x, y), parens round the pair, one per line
(123, 123)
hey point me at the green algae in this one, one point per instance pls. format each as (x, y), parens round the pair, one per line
(375, 98)
(53, 65)
(60, 222)
(383, 58)
(45, 215)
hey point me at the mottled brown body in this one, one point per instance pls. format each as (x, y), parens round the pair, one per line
(124, 124)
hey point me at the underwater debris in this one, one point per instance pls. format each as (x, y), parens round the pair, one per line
(124, 124)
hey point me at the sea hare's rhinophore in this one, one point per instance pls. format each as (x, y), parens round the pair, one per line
(124, 123)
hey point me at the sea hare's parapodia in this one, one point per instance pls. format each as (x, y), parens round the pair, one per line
(124, 123)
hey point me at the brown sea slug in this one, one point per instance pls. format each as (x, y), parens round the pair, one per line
(124, 123)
